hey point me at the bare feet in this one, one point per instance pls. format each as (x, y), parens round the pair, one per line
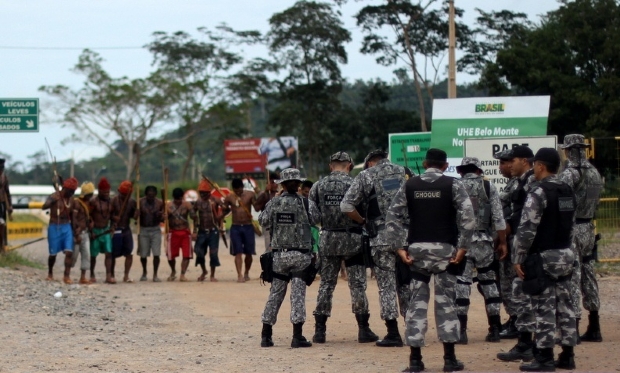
(93, 280)
(67, 280)
(183, 279)
(240, 279)
(202, 277)
(213, 279)
(84, 281)
(127, 280)
(246, 277)
(172, 277)
(156, 279)
(49, 278)
(110, 280)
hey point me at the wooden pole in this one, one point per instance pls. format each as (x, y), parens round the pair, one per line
(452, 53)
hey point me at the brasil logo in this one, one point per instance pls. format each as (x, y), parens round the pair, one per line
(490, 108)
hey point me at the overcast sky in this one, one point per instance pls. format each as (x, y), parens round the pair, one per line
(42, 39)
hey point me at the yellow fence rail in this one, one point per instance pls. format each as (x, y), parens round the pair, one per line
(24, 230)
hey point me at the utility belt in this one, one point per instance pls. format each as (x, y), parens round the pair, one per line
(583, 221)
(303, 251)
(355, 230)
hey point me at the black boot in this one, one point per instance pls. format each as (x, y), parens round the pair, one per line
(494, 326)
(521, 351)
(319, 328)
(265, 336)
(364, 334)
(450, 363)
(593, 333)
(510, 331)
(392, 338)
(415, 361)
(577, 319)
(463, 321)
(543, 362)
(566, 359)
(298, 339)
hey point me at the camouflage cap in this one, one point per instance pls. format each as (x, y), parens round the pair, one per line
(504, 155)
(340, 157)
(574, 141)
(374, 153)
(288, 175)
(469, 163)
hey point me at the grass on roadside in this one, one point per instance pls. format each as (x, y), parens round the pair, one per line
(607, 269)
(12, 259)
(26, 218)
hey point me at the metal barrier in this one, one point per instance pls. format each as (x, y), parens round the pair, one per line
(24, 230)
(608, 225)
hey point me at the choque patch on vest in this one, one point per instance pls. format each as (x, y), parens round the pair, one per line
(566, 204)
(285, 218)
(332, 199)
(427, 194)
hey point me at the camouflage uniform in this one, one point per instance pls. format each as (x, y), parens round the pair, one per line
(384, 179)
(340, 240)
(526, 321)
(553, 308)
(506, 269)
(587, 184)
(289, 222)
(480, 254)
(431, 258)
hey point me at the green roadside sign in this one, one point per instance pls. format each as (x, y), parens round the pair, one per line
(19, 115)
(409, 149)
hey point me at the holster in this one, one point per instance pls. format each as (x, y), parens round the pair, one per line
(535, 280)
(457, 269)
(266, 265)
(371, 229)
(366, 253)
(403, 273)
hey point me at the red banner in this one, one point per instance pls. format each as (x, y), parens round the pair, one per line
(242, 156)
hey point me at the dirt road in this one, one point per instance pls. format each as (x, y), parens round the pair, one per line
(215, 327)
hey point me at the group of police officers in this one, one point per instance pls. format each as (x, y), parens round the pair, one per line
(530, 246)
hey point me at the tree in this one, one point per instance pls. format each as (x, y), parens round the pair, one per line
(492, 34)
(572, 56)
(194, 70)
(419, 31)
(108, 109)
(308, 40)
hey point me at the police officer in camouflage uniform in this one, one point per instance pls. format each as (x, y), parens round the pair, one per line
(545, 233)
(341, 240)
(521, 168)
(480, 255)
(288, 217)
(587, 185)
(376, 186)
(441, 219)
(506, 269)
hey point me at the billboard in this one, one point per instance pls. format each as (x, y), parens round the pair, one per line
(483, 149)
(455, 120)
(252, 157)
(409, 149)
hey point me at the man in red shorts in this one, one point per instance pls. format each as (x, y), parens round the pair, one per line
(180, 236)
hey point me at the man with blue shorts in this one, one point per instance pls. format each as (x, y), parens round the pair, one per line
(242, 233)
(59, 231)
(124, 208)
(206, 231)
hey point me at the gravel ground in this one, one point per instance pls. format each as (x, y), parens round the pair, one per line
(215, 327)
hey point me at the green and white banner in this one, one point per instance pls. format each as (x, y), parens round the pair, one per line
(409, 149)
(454, 120)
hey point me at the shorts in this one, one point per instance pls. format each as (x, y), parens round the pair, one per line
(242, 239)
(149, 241)
(179, 241)
(207, 240)
(59, 238)
(102, 243)
(82, 249)
(122, 242)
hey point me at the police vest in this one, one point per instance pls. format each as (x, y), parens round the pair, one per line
(518, 200)
(290, 226)
(431, 211)
(479, 191)
(331, 191)
(556, 222)
(587, 192)
(386, 184)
